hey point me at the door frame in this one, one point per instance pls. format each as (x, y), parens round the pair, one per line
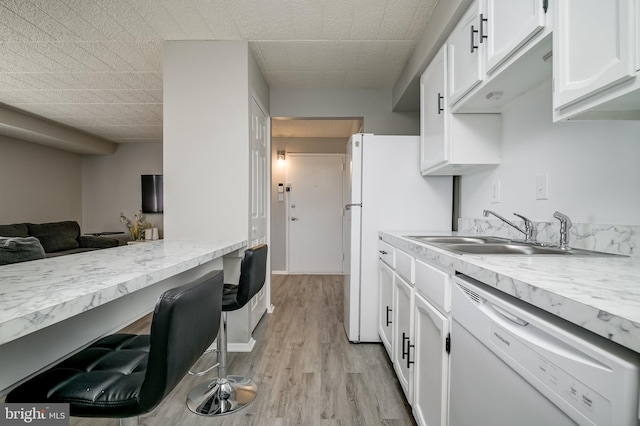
(288, 212)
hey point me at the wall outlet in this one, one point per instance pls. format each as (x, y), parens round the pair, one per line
(495, 192)
(542, 187)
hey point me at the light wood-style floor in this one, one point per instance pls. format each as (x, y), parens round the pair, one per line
(306, 370)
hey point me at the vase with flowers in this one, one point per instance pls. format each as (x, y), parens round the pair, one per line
(136, 227)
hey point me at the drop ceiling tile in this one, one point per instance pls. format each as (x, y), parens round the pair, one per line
(218, 19)
(338, 18)
(11, 17)
(308, 22)
(36, 16)
(107, 28)
(68, 17)
(274, 54)
(417, 24)
(278, 19)
(189, 19)
(369, 15)
(145, 56)
(128, 17)
(156, 15)
(397, 17)
(248, 19)
(9, 34)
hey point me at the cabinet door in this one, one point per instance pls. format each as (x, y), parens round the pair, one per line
(385, 309)
(465, 67)
(403, 335)
(434, 148)
(431, 375)
(506, 25)
(593, 43)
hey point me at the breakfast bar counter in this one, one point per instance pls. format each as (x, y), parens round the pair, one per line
(51, 307)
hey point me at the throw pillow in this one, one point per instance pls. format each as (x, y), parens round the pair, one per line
(18, 249)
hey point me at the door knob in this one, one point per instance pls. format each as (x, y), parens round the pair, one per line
(294, 218)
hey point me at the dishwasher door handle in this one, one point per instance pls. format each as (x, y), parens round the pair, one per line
(511, 317)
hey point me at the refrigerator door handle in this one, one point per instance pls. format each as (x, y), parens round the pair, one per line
(348, 206)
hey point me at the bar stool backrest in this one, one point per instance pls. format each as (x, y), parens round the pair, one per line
(253, 273)
(185, 323)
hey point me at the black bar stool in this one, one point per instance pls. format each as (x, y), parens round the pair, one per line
(226, 394)
(125, 375)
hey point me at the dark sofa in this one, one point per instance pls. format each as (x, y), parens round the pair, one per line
(56, 239)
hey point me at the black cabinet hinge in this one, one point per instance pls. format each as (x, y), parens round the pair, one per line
(545, 5)
(447, 343)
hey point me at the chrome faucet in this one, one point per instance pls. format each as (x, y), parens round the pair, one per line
(565, 225)
(530, 232)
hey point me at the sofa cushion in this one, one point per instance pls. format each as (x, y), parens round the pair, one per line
(19, 249)
(56, 236)
(15, 230)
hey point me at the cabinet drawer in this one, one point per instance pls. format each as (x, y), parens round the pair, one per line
(386, 253)
(434, 285)
(405, 266)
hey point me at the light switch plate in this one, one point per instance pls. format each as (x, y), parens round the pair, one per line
(495, 191)
(542, 187)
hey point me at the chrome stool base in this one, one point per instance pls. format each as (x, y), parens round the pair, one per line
(222, 396)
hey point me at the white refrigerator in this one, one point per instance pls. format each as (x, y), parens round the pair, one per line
(384, 191)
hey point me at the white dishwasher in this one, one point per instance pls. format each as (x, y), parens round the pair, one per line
(514, 364)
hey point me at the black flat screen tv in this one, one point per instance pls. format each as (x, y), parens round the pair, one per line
(152, 194)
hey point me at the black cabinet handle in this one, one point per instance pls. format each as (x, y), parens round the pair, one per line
(440, 98)
(409, 346)
(388, 320)
(382, 252)
(482, 33)
(473, 31)
(405, 339)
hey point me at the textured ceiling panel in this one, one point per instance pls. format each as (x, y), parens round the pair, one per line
(97, 64)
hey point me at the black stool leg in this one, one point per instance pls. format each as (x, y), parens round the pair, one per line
(225, 394)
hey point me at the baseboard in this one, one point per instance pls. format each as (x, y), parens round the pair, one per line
(279, 273)
(241, 347)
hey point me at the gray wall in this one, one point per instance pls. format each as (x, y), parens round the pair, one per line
(38, 183)
(111, 184)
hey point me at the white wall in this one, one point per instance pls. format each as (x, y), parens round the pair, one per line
(593, 167)
(38, 183)
(373, 105)
(206, 136)
(111, 184)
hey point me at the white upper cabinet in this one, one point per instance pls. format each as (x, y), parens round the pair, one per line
(453, 144)
(595, 58)
(506, 25)
(465, 70)
(513, 40)
(433, 106)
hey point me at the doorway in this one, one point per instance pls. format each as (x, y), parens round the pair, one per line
(315, 211)
(290, 136)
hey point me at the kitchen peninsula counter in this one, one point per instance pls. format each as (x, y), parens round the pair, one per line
(600, 294)
(53, 306)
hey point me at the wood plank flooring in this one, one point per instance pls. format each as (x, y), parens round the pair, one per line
(306, 370)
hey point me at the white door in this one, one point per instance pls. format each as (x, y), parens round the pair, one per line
(508, 25)
(259, 187)
(592, 48)
(403, 341)
(465, 67)
(431, 375)
(434, 148)
(385, 309)
(315, 210)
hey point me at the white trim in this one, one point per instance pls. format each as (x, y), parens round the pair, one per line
(241, 347)
(279, 272)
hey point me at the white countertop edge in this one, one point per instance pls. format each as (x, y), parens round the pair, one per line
(49, 290)
(608, 306)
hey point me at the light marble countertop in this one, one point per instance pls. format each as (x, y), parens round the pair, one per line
(36, 294)
(600, 294)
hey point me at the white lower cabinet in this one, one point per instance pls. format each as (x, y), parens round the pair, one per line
(431, 369)
(403, 347)
(385, 308)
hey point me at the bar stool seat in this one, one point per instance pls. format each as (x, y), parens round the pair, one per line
(229, 393)
(125, 375)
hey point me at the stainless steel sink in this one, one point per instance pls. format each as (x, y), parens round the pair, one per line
(517, 249)
(457, 240)
(498, 246)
